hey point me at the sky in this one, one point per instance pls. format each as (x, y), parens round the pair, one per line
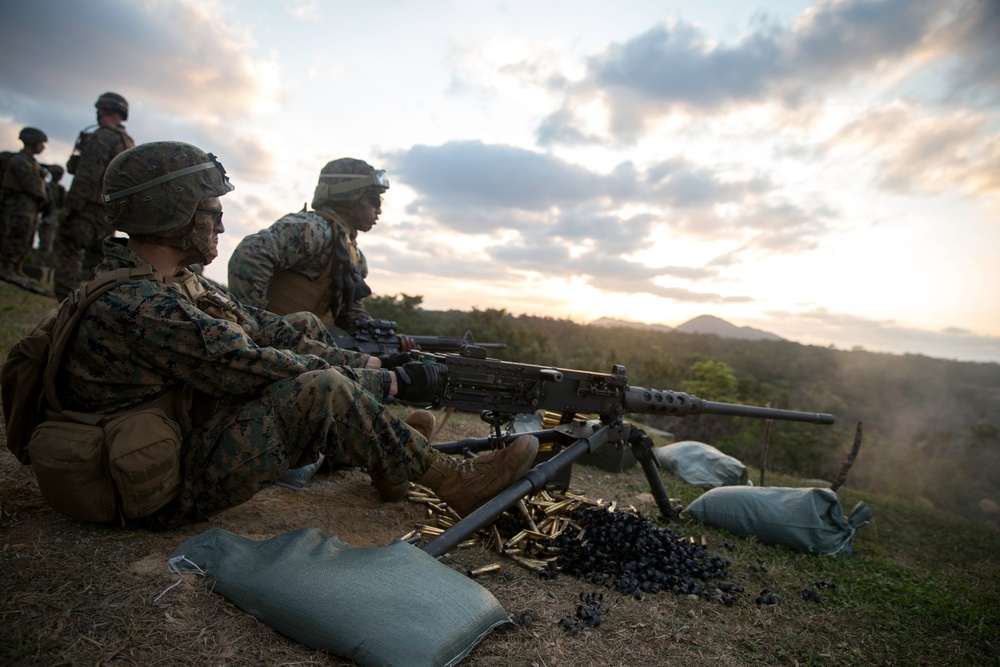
(828, 171)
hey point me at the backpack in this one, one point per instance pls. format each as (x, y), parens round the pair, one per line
(74, 158)
(27, 377)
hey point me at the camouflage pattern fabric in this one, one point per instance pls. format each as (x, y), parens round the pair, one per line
(278, 397)
(25, 193)
(82, 226)
(50, 221)
(307, 242)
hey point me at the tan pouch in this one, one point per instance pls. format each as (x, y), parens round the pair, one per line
(144, 455)
(70, 463)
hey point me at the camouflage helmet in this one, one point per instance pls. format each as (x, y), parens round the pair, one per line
(32, 135)
(156, 187)
(348, 179)
(56, 170)
(114, 102)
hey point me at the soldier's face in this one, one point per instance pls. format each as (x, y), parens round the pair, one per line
(35, 149)
(207, 227)
(366, 212)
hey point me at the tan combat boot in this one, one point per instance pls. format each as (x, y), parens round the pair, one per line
(465, 484)
(423, 423)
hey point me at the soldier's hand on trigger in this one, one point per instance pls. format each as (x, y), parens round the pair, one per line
(391, 361)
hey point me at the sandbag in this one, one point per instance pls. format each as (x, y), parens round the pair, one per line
(809, 519)
(702, 465)
(391, 605)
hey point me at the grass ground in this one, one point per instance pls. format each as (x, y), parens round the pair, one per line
(921, 587)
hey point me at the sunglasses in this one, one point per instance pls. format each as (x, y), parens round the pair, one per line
(216, 215)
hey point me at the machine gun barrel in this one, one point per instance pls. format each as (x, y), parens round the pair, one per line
(679, 404)
(475, 383)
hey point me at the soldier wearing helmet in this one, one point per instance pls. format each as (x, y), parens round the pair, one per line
(81, 220)
(50, 221)
(310, 260)
(25, 196)
(252, 395)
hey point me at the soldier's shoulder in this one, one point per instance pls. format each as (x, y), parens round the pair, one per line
(299, 218)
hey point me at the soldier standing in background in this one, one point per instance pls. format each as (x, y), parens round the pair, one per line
(25, 194)
(310, 260)
(50, 221)
(82, 227)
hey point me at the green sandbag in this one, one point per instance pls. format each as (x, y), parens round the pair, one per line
(702, 465)
(809, 520)
(391, 605)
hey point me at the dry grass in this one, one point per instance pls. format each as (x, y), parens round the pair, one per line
(921, 588)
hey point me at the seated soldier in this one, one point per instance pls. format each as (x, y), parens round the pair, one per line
(258, 396)
(310, 260)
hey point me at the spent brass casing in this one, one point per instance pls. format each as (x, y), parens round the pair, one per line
(492, 567)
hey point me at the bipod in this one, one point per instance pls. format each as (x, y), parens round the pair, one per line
(584, 437)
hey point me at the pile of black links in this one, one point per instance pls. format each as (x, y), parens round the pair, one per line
(633, 555)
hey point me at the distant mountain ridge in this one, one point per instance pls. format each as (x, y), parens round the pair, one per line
(703, 324)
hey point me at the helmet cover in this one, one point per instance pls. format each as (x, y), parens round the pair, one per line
(156, 187)
(114, 102)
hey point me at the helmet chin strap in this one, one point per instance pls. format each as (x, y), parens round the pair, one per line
(195, 242)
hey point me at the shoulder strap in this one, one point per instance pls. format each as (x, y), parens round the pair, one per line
(74, 306)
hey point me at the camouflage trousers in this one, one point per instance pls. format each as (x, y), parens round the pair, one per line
(20, 214)
(79, 242)
(243, 449)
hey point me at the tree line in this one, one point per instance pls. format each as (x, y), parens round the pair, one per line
(931, 426)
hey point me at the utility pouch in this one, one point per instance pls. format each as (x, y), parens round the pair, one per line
(70, 462)
(144, 457)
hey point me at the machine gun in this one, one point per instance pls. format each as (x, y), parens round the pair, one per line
(500, 390)
(379, 338)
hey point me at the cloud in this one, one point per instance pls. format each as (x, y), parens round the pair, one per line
(675, 68)
(187, 71)
(533, 213)
(923, 154)
(851, 331)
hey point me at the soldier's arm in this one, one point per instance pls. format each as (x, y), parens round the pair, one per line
(275, 331)
(27, 177)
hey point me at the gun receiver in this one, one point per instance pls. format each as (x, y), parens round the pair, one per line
(379, 338)
(476, 383)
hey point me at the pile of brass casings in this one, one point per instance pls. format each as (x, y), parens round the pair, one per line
(526, 533)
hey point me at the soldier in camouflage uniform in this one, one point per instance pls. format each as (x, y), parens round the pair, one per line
(310, 260)
(265, 397)
(81, 221)
(25, 195)
(50, 221)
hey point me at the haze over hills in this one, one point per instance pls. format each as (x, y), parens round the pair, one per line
(703, 324)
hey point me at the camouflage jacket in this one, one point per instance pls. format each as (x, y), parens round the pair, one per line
(95, 155)
(24, 175)
(144, 337)
(309, 243)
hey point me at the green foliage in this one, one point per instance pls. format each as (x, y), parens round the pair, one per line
(402, 309)
(712, 381)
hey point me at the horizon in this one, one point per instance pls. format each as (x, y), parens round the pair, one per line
(825, 170)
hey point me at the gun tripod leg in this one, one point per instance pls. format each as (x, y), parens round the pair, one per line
(642, 449)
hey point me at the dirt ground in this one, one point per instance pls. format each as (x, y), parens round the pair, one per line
(84, 594)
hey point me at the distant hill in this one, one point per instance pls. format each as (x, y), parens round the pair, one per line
(709, 324)
(703, 324)
(612, 322)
